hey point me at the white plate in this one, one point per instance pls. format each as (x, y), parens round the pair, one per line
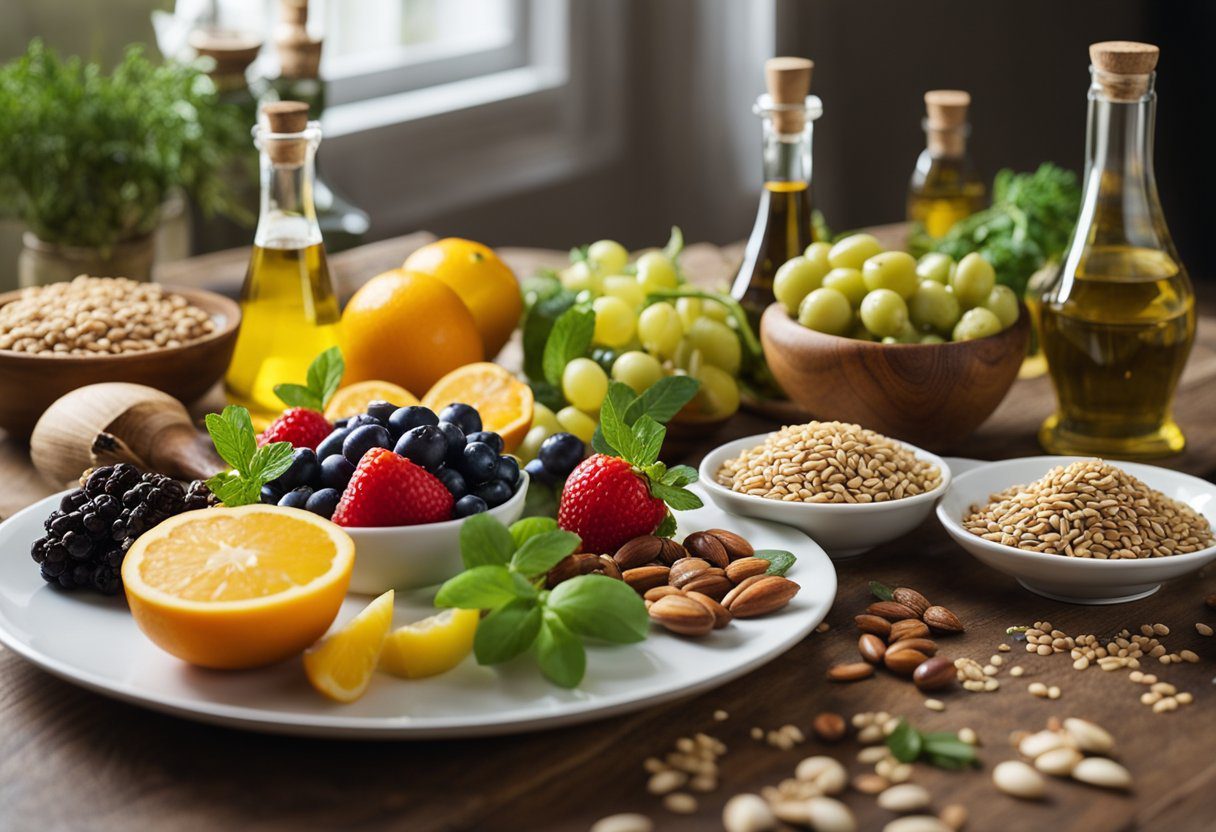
(93, 642)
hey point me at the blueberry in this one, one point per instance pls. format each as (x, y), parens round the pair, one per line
(363, 419)
(456, 442)
(341, 423)
(494, 492)
(479, 463)
(469, 504)
(323, 502)
(424, 445)
(508, 470)
(336, 471)
(560, 453)
(296, 498)
(304, 470)
(270, 494)
(381, 410)
(462, 415)
(489, 437)
(407, 418)
(363, 439)
(540, 474)
(453, 481)
(332, 444)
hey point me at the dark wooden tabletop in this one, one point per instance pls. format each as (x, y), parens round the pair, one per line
(70, 759)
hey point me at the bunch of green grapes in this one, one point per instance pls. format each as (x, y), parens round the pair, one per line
(856, 289)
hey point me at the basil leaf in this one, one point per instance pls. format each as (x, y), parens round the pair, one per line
(569, 340)
(538, 324)
(647, 441)
(485, 541)
(542, 552)
(479, 588)
(905, 742)
(680, 499)
(680, 475)
(668, 527)
(663, 399)
(612, 420)
(946, 746)
(560, 653)
(297, 395)
(325, 374)
(600, 607)
(779, 562)
(881, 591)
(521, 530)
(232, 434)
(270, 462)
(508, 631)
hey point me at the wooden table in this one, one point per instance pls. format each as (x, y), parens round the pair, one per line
(70, 759)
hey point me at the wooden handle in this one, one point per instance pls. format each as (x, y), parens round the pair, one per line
(788, 81)
(184, 453)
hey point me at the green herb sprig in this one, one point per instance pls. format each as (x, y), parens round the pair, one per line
(940, 748)
(252, 466)
(324, 376)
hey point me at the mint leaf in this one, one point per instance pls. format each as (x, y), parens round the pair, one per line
(541, 553)
(507, 632)
(600, 445)
(648, 438)
(325, 374)
(270, 462)
(881, 591)
(579, 253)
(485, 541)
(680, 499)
(613, 428)
(479, 588)
(600, 607)
(521, 530)
(946, 750)
(233, 490)
(570, 338)
(537, 325)
(779, 562)
(232, 434)
(663, 399)
(905, 742)
(559, 652)
(675, 244)
(680, 475)
(668, 527)
(297, 395)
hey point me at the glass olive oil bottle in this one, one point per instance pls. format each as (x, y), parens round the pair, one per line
(288, 307)
(783, 222)
(1118, 320)
(944, 188)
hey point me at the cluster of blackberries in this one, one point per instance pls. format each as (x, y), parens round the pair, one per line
(94, 526)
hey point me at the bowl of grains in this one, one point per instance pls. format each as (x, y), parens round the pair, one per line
(1080, 529)
(847, 487)
(56, 338)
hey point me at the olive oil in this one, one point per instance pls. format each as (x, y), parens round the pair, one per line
(782, 231)
(944, 189)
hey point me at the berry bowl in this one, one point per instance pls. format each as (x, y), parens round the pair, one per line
(411, 557)
(844, 530)
(1077, 580)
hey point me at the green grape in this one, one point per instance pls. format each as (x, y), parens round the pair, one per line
(579, 277)
(817, 254)
(796, 279)
(655, 272)
(607, 256)
(717, 343)
(637, 369)
(584, 384)
(936, 267)
(715, 310)
(530, 447)
(615, 322)
(860, 333)
(848, 282)
(718, 396)
(934, 307)
(577, 422)
(894, 270)
(543, 417)
(884, 313)
(973, 280)
(976, 323)
(690, 309)
(660, 329)
(826, 310)
(932, 338)
(625, 287)
(1003, 302)
(907, 335)
(853, 250)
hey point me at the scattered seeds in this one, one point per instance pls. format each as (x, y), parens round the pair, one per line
(904, 798)
(1015, 778)
(681, 803)
(721, 715)
(1203, 629)
(747, 813)
(1100, 771)
(935, 704)
(625, 822)
(954, 816)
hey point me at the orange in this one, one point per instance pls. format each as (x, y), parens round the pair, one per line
(408, 329)
(341, 666)
(504, 402)
(238, 587)
(353, 400)
(485, 284)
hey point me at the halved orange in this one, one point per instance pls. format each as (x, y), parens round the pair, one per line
(354, 399)
(341, 666)
(238, 587)
(504, 402)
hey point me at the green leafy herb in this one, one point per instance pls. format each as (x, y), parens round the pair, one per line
(881, 591)
(507, 631)
(779, 561)
(661, 401)
(521, 530)
(599, 607)
(905, 742)
(668, 527)
(485, 544)
(570, 338)
(539, 320)
(252, 467)
(559, 652)
(941, 748)
(541, 552)
(324, 376)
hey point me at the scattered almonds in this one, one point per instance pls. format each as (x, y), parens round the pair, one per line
(625, 822)
(1015, 778)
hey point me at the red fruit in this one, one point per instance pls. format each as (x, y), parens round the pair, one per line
(389, 490)
(605, 502)
(302, 427)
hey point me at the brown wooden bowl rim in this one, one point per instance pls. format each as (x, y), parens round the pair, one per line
(212, 303)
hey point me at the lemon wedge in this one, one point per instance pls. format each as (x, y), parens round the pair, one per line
(431, 646)
(341, 665)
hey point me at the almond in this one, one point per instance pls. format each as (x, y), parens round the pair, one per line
(639, 551)
(581, 563)
(712, 582)
(738, 570)
(739, 587)
(908, 628)
(924, 645)
(871, 648)
(769, 593)
(942, 620)
(912, 599)
(685, 569)
(829, 727)
(736, 546)
(880, 627)
(658, 592)
(904, 662)
(850, 672)
(722, 615)
(934, 673)
(682, 615)
(891, 610)
(643, 578)
(707, 547)
(671, 551)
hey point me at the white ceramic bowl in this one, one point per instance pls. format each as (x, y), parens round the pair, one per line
(842, 529)
(410, 557)
(1061, 578)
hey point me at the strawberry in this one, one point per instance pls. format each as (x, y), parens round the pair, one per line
(389, 490)
(605, 502)
(302, 427)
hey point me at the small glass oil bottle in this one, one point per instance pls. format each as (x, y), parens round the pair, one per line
(1118, 320)
(288, 307)
(944, 188)
(783, 223)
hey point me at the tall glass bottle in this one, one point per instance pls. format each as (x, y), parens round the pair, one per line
(944, 187)
(1118, 321)
(288, 307)
(783, 222)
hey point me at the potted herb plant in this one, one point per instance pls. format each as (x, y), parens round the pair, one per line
(88, 159)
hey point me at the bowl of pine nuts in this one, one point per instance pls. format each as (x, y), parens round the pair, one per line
(56, 338)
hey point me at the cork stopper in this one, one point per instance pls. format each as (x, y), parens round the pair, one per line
(299, 53)
(1123, 68)
(288, 119)
(788, 81)
(232, 51)
(947, 109)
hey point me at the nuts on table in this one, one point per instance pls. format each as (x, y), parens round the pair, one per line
(829, 726)
(924, 645)
(934, 673)
(904, 661)
(760, 595)
(911, 598)
(850, 672)
(867, 623)
(942, 620)
(871, 648)
(908, 628)
(891, 610)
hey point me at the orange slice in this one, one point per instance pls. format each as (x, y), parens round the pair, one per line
(341, 666)
(504, 402)
(354, 399)
(238, 587)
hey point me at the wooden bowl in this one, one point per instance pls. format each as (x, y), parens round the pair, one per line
(932, 395)
(30, 382)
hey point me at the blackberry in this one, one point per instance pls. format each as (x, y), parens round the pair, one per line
(94, 526)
